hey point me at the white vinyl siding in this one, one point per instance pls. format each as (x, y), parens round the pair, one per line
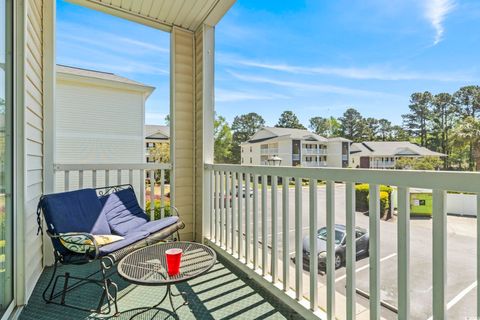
(34, 140)
(114, 133)
(98, 124)
(182, 117)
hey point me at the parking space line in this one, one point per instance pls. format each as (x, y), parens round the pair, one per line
(365, 267)
(459, 296)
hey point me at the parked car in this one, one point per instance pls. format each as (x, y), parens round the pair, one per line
(362, 241)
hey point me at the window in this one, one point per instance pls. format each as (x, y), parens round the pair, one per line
(242, 159)
(250, 149)
(250, 160)
(242, 150)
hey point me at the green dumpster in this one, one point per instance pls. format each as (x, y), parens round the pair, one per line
(421, 203)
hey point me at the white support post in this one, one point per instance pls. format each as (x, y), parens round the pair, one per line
(403, 261)
(49, 128)
(222, 208)
(298, 240)
(255, 222)
(228, 206)
(330, 250)
(162, 193)
(285, 233)
(216, 207)
(240, 213)
(313, 217)
(234, 211)
(351, 249)
(274, 231)
(152, 195)
(374, 250)
(208, 117)
(439, 254)
(264, 225)
(247, 219)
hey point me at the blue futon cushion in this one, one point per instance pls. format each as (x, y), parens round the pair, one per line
(132, 237)
(74, 211)
(123, 212)
(157, 225)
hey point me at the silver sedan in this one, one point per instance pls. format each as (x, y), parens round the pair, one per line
(362, 241)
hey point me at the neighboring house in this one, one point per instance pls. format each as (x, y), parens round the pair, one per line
(384, 154)
(294, 147)
(99, 119)
(154, 135)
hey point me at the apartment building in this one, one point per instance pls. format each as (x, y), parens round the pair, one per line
(294, 147)
(384, 154)
(154, 135)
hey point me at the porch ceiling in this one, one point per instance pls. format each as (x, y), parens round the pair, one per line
(164, 14)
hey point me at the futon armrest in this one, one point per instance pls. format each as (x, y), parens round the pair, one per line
(70, 234)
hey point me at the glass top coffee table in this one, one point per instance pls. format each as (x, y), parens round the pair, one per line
(148, 267)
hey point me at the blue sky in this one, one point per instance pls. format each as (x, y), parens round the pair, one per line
(313, 57)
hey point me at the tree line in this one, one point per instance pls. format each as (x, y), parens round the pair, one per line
(445, 122)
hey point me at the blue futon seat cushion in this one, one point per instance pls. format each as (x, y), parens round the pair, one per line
(157, 225)
(74, 211)
(123, 212)
(129, 239)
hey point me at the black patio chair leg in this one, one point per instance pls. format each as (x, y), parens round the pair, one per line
(49, 284)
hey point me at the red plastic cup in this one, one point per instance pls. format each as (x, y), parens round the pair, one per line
(173, 256)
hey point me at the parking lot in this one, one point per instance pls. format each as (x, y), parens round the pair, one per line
(461, 258)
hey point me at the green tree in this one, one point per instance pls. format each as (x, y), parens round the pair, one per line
(467, 132)
(399, 134)
(326, 127)
(445, 114)
(416, 122)
(167, 120)
(424, 163)
(288, 119)
(244, 127)
(467, 99)
(384, 130)
(351, 124)
(160, 152)
(369, 129)
(223, 141)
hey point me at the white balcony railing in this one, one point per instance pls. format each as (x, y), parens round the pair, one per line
(309, 151)
(313, 164)
(269, 151)
(252, 230)
(149, 180)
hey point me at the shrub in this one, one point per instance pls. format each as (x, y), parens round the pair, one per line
(362, 198)
(157, 209)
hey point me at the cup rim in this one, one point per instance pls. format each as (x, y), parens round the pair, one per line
(174, 251)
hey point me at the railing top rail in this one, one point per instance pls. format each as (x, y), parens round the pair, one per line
(111, 166)
(443, 180)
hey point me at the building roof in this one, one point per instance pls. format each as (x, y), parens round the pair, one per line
(97, 74)
(391, 148)
(157, 132)
(165, 14)
(268, 133)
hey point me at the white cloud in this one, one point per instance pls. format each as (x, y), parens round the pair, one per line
(368, 73)
(222, 95)
(318, 87)
(436, 12)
